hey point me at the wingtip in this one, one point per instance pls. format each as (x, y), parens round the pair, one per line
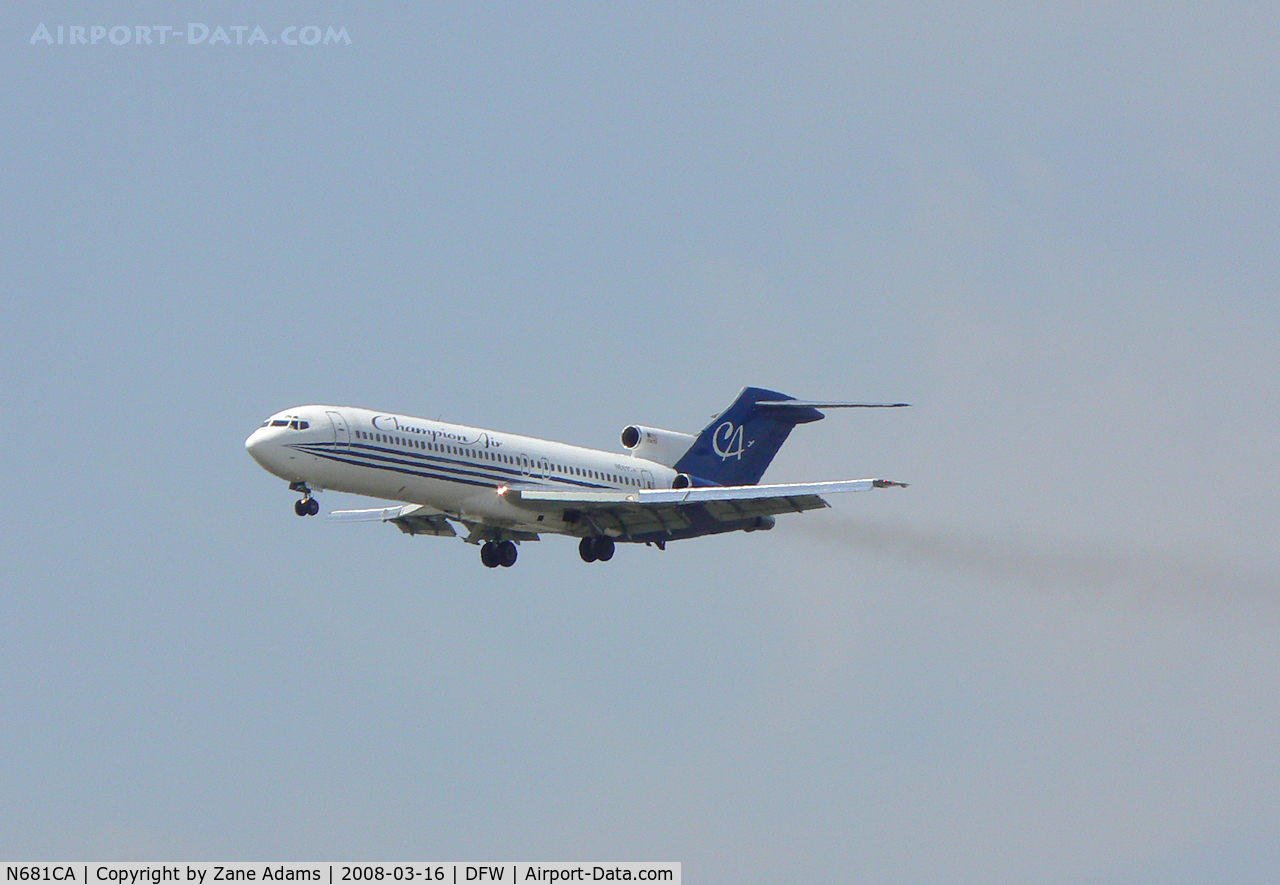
(889, 484)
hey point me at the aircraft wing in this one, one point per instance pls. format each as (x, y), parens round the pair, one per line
(642, 511)
(419, 519)
(412, 519)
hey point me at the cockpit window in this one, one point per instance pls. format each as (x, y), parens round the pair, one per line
(291, 423)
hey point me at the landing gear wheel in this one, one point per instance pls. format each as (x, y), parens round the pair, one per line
(489, 554)
(300, 506)
(313, 507)
(587, 549)
(507, 554)
(604, 549)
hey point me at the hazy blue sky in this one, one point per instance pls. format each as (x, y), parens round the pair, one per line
(1054, 658)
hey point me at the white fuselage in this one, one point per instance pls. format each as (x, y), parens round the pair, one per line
(451, 468)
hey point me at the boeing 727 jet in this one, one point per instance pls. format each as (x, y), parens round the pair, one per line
(502, 489)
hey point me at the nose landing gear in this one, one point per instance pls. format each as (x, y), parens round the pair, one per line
(308, 506)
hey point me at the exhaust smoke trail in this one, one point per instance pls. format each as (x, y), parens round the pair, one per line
(1049, 568)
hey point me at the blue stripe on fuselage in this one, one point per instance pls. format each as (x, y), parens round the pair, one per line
(451, 469)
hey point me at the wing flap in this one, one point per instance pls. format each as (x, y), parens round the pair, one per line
(729, 511)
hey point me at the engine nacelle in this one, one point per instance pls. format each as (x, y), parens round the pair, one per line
(685, 481)
(664, 446)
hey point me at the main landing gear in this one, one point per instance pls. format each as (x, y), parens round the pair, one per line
(308, 506)
(498, 553)
(593, 549)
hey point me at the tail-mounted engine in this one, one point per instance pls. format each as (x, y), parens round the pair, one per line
(664, 446)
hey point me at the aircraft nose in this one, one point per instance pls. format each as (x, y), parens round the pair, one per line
(255, 445)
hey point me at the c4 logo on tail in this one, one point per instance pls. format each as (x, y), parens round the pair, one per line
(727, 441)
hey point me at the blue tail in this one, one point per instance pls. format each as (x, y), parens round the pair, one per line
(736, 447)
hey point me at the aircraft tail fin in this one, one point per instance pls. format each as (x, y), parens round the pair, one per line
(739, 443)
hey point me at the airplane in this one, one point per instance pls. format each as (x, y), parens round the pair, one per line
(503, 489)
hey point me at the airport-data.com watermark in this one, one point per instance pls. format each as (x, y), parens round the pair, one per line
(194, 34)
